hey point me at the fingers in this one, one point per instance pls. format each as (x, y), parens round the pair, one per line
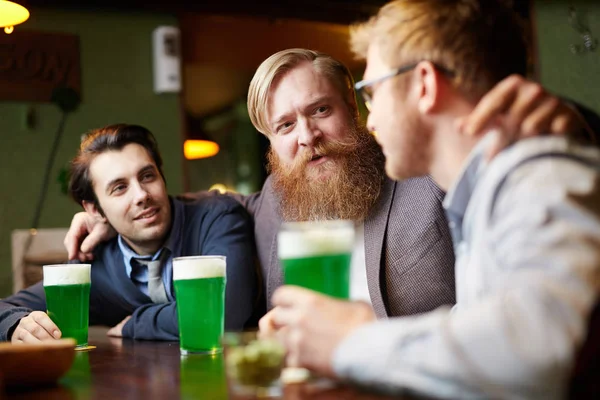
(492, 104)
(76, 232)
(100, 233)
(527, 98)
(24, 336)
(289, 295)
(43, 320)
(35, 328)
(113, 332)
(266, 326)
(541, 119)
(117, 330)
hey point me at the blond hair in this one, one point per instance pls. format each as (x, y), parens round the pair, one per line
(274, 67)
(480, 41)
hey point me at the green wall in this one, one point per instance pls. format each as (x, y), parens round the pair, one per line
(116, 71)
(576, 76)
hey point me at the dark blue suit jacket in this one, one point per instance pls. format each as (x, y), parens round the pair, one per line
(212, 226)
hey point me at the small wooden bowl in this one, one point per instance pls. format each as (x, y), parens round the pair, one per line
(35, 364)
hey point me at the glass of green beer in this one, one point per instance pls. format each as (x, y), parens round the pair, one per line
(200, 292)
(316, 255)
(67, 288)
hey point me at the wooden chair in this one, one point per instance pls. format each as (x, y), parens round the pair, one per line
(46, 248)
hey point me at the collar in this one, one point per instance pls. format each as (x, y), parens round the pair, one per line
(460, 193)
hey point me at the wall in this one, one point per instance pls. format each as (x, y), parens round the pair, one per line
(220, 55)
(116, 69)
(576, 76)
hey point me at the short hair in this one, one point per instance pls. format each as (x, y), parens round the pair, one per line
(98, 141)
(480, 41)
(286, 60)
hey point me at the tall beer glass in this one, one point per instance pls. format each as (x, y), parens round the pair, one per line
(200, 291)
(67, 289)
(316, 255)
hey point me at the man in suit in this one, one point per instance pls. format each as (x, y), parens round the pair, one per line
(525, 225)
(117, 177)
(324, 164)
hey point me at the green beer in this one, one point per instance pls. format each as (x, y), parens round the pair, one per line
(316, 255)
(200, 292)
(67, 289)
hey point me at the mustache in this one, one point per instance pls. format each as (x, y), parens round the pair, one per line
(330, 148)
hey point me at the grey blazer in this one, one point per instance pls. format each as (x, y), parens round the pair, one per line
(408, 248)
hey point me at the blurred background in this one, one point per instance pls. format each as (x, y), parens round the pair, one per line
(107, 50)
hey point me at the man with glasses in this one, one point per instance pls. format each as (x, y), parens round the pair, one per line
(325, 165)
(525, 226)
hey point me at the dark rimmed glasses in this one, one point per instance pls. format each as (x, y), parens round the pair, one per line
(365, 87)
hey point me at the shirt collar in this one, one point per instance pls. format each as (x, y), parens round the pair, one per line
(460, 193)
(173, 242)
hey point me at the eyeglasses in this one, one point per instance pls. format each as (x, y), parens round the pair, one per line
(365, 87)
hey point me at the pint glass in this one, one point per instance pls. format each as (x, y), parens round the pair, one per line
(316, 255)
(67, 289)
(200, 292)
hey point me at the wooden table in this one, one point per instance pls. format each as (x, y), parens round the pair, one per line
(129, 369)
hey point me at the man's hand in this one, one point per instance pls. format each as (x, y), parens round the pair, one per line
(117, 330)
(85, 233)
(312, 325)
(520, 108)
(266, 326)
(35, 328)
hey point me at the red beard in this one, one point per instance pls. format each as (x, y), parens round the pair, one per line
(343, 187)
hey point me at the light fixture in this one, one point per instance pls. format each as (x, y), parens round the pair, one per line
(12, 14)
(198, 143)
(194, 149)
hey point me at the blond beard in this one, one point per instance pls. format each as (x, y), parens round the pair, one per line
(355, 175)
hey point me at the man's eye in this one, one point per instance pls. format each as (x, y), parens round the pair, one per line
(321, 110)
(285, 126)
(118, 189)
(147, 177)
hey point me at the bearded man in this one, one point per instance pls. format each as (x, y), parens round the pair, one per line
(325, 165)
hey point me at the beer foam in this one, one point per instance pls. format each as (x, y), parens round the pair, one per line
(315, 239)
(198, 267)
(66, 274)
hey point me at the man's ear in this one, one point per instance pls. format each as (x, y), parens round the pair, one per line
(429, 87)
(91, 208)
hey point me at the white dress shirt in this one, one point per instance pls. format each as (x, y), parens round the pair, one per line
(359, 289)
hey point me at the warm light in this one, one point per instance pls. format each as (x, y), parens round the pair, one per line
(219, 187)
(12, 14)
(194, 149)
(9, 29)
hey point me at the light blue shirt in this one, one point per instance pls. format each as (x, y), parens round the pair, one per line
(526, 233)
(138, 273)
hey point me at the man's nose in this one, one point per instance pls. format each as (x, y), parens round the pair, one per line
(140, 193)
(309, 133)
(371, 124)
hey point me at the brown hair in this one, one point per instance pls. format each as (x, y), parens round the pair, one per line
(283, 61)
(98, 141)
(481, 41)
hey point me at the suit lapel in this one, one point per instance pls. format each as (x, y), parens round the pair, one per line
(375, 229)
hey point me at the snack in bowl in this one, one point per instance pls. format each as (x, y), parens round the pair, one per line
(253, 364)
